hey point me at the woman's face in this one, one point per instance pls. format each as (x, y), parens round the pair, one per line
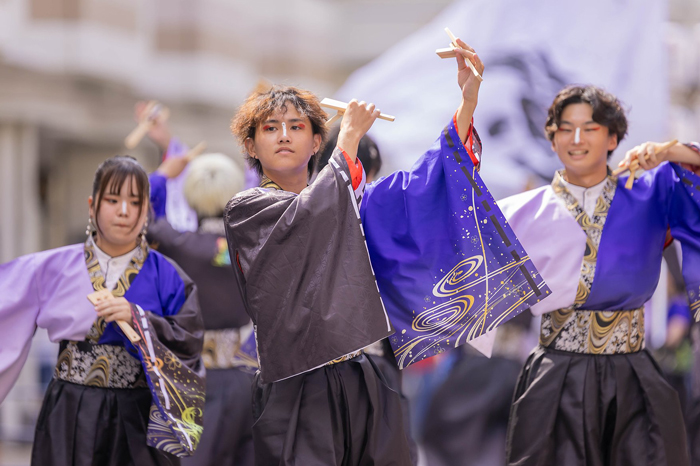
(582, 144)
(284, 143)
(120, 218)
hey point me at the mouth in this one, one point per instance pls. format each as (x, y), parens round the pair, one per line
(118, 225)
(577, 154)
(284, 150)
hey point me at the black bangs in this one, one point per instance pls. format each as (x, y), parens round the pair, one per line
(110, 177)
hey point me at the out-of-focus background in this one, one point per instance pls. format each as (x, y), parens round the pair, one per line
(72, 70)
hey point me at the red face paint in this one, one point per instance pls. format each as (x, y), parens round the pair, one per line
(266, 127)
(301, 126)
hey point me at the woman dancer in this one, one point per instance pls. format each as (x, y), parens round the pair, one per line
(113, 400)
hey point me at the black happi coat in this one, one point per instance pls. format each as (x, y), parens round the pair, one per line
(304, 273)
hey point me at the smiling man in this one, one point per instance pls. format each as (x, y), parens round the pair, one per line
(590, 394)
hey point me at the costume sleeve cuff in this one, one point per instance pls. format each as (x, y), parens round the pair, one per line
(356, 169)
(469, 144)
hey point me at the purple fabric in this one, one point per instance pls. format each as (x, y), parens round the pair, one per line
(631, 247)
(37, 290)
(448, 266)
(159, 193)
(156, 275)
(180, 214)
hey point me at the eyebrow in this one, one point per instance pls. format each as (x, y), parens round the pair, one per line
(290, 120)
(589, 122)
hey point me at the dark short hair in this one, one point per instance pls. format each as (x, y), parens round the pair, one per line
(260, 105)
(367, 152)
(607, 110)
(110, 177)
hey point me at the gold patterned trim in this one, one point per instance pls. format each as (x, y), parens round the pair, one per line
(222, 349)
(98, 280)
(347, 357)
(593, 332)
(593, 227)
(104, 366)
(266, 182)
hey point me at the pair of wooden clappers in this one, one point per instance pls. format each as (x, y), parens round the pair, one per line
(634, 165)
(449, 52)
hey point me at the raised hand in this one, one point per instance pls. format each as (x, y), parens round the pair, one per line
(357, 120)
(648, 155)
(469, 84)
(159, 132)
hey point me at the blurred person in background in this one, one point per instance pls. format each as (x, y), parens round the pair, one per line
(590, 393)
(209, 183)
(111, 401)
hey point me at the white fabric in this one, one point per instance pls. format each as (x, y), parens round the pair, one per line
(112, 267)
(552, 238)
(586, 197)
(531, 50)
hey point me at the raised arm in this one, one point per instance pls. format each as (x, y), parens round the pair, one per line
(469, 84)
(649, 156)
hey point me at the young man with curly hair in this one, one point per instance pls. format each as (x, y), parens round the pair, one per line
(590, 393)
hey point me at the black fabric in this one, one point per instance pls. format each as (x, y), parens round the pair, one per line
(183, 333)
(580, 409)
(304, 272)
(344, 414)
(467, 417)
(88, 426)
(219, 299)
(386, 364)
(227, 438)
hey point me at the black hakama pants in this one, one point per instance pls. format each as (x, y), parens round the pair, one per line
(344, 414)
(81, 425)
(227, 437)
(595, 410)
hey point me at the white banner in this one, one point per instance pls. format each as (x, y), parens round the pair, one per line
(531, 50)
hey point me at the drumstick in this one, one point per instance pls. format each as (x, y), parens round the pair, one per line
(128, 330)
(456, 45)
(196, 151)
(153, 111)
(340, 107)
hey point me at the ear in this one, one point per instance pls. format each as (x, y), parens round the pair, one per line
(91, 206)
(612, 142)
(250, 147)
(317, 142)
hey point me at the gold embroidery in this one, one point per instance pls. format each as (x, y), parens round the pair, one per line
(593, 227)
(98, 281)
(593, 332)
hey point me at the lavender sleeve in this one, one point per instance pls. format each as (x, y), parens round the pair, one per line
(19, 308)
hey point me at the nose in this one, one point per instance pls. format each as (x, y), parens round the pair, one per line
(577, 136)
(123, 212)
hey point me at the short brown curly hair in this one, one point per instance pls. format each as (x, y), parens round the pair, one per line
(607, 110)
(260, 105)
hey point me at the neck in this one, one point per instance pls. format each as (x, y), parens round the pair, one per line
(294, 182)
(586, 180)
(113, 250)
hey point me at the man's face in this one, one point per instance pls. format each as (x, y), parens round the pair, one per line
(582, 144)
(284, 143)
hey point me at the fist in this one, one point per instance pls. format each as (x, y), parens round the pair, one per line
(114, 309)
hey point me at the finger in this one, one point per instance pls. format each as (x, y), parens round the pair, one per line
(643, 161)
(478, 64)
(371, 107)
(466, 55)
(362, 104)
(352, 104)
(464, 45)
